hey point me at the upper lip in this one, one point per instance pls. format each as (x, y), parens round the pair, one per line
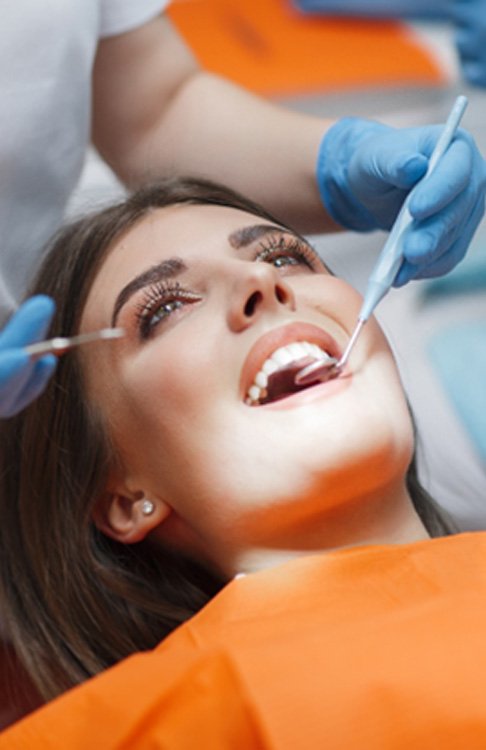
(264, 347)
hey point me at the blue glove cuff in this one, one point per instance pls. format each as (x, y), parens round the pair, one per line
(335, 153)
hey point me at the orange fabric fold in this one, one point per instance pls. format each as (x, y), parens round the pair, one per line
(271, 48)
(377, 648)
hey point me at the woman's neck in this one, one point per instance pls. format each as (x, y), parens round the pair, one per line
(387, 517)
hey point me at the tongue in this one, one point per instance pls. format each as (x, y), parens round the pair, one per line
(281, 383)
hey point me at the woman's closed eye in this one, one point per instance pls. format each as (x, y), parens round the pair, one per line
(289, 254)
(162, 301)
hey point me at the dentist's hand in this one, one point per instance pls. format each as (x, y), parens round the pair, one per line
(365, 171)
(21, 378)
(469, 17)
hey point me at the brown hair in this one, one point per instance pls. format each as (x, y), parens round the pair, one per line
(76, 602)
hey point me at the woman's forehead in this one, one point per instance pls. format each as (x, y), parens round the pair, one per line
(189, 230)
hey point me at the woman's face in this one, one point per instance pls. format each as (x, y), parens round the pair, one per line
(212, 300)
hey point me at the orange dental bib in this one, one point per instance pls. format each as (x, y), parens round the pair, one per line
(373, 648)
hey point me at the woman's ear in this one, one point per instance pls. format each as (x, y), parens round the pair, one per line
(129, 516)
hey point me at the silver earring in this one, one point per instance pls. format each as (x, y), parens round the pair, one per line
(148, 507)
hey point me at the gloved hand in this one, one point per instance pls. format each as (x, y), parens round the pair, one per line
(376, 8)
(21, 378)
(366, 169)
(469, 17)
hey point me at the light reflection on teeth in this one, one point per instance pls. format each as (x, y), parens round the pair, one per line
(269, 366)
(261, 379)
(281, 358)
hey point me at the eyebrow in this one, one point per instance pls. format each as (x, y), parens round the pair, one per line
(167, 269)
(246, 235)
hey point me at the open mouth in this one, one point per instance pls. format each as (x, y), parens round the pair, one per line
(275, 378)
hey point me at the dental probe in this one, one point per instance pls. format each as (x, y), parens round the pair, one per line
(62, 344)
(389, 261)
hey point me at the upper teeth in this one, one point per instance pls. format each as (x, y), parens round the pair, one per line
(281, 358)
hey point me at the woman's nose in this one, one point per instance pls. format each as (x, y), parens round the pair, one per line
(257, 290)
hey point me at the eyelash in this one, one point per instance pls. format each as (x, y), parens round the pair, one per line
(163, 293)
(271, 248)
(156, 297)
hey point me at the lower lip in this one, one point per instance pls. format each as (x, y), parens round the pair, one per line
(315, 392)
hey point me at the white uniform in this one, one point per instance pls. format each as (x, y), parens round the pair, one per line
(46, 57)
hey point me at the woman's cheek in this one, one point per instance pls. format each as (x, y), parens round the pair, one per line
(329, 295)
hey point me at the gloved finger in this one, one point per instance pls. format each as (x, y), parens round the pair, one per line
(457, 250)
(16, 368)
(407, 272)
(34, 384)
(427, 240)
(448, 260)
(388, 163)
(450, 177)
(410, 271)
(29, 323)
(438, 268)
(12, 363)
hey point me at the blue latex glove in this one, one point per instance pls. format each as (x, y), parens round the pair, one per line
(21, 378)
(469, 17)
(376, 8)
(366, 169)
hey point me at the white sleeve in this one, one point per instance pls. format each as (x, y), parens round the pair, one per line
(118, 16)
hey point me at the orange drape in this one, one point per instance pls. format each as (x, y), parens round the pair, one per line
(271, 48)
(376, 648)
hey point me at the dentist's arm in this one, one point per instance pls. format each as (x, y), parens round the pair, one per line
(157, 113)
